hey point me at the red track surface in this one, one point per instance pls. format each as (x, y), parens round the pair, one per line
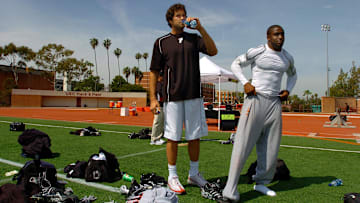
(293, 123)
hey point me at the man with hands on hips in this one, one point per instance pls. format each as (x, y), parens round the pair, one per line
(260, 121)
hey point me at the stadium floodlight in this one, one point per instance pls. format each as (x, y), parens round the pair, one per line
(326, 28)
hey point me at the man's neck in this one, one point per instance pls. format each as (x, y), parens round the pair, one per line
(175, 31)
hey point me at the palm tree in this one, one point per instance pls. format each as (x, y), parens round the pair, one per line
(117, 53)
(107, 44)
(307, 93)
(140, 76)
(94, 43)
(138, 57)
(127, 72)
(135, 72)
(145, 56)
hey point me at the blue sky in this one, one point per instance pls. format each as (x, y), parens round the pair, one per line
(235, 26)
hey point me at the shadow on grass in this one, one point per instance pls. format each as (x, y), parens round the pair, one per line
(285, 185)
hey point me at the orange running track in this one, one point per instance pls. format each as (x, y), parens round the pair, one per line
(298, 124)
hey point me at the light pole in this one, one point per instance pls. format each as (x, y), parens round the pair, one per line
(326, 28)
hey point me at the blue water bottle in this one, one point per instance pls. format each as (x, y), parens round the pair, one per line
(336, 182)
(191, 24)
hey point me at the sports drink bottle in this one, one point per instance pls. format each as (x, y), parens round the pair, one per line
(127, 177)
(191, 24)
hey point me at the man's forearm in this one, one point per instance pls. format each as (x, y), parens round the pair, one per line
(209, 42)
(153, 80)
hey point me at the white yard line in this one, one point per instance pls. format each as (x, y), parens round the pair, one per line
(117, 190)
(316, 115)
(321, 149)
(5, 180)
(75, 180)
(81, 109)
(140, 153)
(58, 126)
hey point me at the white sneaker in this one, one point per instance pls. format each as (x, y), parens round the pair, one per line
(196, 180)
(265, 190)
(175, 185)
(158, 142)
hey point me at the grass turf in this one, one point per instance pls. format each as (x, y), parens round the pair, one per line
(311, 170)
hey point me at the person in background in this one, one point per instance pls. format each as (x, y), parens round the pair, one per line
(347, 108)
(157, 131)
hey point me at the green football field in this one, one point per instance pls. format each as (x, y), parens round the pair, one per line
(313, 163)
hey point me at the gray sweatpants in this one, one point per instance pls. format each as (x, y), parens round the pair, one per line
(261, 124)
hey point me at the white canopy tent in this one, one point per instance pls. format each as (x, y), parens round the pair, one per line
(212, 73)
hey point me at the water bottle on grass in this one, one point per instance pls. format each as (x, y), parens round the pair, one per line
(336, 182)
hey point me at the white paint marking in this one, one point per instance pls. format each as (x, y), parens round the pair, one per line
(321, 149)
(313, 134)
(314, 115)
(5, 180)
(140, 153)
(75, 180)
(11, 163)
(81, 109)
(56, 126)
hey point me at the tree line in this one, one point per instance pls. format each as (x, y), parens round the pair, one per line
(127, 71)
(56, 60)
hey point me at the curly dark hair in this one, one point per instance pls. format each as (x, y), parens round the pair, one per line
(171, 11)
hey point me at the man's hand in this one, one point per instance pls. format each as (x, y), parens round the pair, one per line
(198, 25)
(284, 94)
(249, 89)
(154, 105)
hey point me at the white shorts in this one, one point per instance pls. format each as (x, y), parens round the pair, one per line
(189, 113)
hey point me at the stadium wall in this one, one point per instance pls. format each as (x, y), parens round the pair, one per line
(47, 98)
(329, 104)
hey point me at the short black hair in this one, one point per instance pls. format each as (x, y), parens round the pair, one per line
(272, 27)
(171, 11)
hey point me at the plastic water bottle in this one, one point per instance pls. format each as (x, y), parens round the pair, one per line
(336, 182)
(191, 24)
(124, 190)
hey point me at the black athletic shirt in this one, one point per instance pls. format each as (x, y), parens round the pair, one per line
(178, 57)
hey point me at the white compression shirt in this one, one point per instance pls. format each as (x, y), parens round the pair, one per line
(267, 67)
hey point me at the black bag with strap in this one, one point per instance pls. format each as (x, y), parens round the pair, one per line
(100, 170)
(17, 126)
(89, 131)
(282, 171)
(36, 175)
(76, 170)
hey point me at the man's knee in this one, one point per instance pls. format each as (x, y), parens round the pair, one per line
(172, 141)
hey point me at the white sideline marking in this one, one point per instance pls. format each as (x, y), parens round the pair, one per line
(81, 109)
(59, 126)
(314, 115)
(117, 190)
(11, 163)
(91, 184)
(75, 180)
(321, 149)
(5, 180)
(140, 153)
